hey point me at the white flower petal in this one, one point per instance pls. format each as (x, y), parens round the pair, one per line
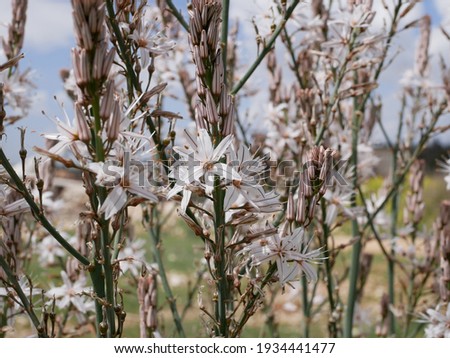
(115, 201)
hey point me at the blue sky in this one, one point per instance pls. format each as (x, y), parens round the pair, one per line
(47, 49)
(432, 10)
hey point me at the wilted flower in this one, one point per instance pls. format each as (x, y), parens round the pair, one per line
(8, 208)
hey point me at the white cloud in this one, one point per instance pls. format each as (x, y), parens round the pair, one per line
(442, 7)
(49, 24)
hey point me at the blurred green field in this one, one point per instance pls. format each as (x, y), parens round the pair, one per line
(434, 191)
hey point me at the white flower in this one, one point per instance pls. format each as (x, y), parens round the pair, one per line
(68, 135)
(18, 91)
(338, 200)
(249, 169)
(438, 324)
(445, 167)
(289, 252)
(412, 79)
(199, 164)
(265, 18)
(132, 257)
(25, 286)
(276, 113)
(49, 251)
(150, 40)
(367, 160)
(283, 136)
(381, 219)
(71, 293)
(125, 181)
(358, 17)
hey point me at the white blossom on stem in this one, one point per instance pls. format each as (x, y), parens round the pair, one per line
(199, 163)
(288, 251)
(247, 187)
(132, 257)
(70, 293)
(125, 181)
(438, 323)
(150, 40)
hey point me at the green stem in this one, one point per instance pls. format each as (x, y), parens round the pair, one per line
(117, 238)
(409, 306)
(155, 137)
(267, 48)
(335, 96)
(306, 311)
(357, 247)
(109, 280)
(375, 232)
(3, 318)
(354, 269)
(329, 277)
(175, 12)
(104, 225)
(392, 32)
(99, 150)
(391, 266)
(155, 234)
(192, 292)
(123, 52)
(224, 34)
(120, 41)
(394, 218)
(98, 283)
(249, 307)
(220, 261)
(295, 65)
(23, 298)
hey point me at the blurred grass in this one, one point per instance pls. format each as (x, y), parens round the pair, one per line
(434, 191)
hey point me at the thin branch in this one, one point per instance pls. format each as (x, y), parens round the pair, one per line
(267, 48)
(175, 12)
(38, 214)
(23, 298)
(224, 34)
